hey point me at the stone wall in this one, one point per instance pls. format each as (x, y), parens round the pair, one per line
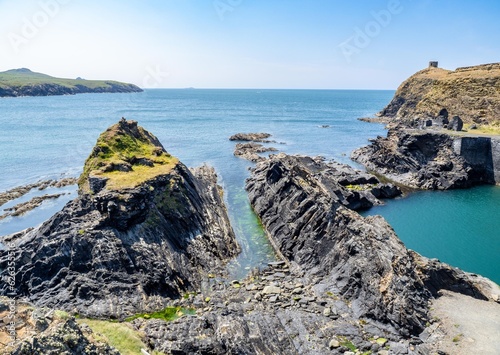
(483, 154)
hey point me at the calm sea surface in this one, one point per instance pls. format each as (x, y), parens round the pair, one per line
(50, 137)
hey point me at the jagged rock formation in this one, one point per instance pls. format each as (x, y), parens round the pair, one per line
(24, 82)
(432, 161)
(473, 93)
(143, 229)
(44, 331)
(360, 259)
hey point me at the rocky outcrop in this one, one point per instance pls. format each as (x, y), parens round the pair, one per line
(473, 93)
(251, 137)
(24, 207)
(274, 311)
(358, 259)
(24, 82)
(20, 191)
(44, 331)
(250, 151)
(432, 161)
(350, 187)
(144, 229)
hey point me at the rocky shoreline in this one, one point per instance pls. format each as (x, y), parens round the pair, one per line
(98, 252)
(147, 236)
(20, 191)
(433, 161)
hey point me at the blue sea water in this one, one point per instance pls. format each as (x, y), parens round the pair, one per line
(50, 137)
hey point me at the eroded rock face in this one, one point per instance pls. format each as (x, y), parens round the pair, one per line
(430, 161)
(125, 248)
(418, 160)
(360, 259)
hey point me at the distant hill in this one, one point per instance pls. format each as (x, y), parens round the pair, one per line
(24, 82)
(473, 93)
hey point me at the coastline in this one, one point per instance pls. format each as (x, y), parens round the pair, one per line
(311, 199)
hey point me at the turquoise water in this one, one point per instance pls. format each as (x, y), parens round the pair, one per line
(461, 228)
(50, 137)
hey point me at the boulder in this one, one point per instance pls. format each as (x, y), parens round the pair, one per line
(456, 124)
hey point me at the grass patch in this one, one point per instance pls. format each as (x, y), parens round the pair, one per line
(119, 335)
(61, 314)
(348, 344)
(361, 187)
(127, 156)
(168, 314)
(491, 129)
(139, 174)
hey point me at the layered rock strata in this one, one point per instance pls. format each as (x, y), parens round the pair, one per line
(432, 161)
(144, 229)
(360, 259)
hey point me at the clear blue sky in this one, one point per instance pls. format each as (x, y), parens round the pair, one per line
(365, 44)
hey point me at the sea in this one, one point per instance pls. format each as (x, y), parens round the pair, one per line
(50, 137)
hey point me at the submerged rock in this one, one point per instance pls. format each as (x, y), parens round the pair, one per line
(20, 191)
(141, 235)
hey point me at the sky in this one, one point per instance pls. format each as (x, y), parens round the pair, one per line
(292, 44)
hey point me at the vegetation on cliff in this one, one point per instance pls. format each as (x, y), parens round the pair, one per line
(24, 82)
(143, 230)
(473, 93)
(125, 156)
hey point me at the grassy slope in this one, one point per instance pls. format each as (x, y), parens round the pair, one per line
(472, 93)
(24, 77)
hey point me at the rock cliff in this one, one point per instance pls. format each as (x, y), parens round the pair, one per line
(472, 93)
(359, 259)
(144, 229)
(433, 161)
